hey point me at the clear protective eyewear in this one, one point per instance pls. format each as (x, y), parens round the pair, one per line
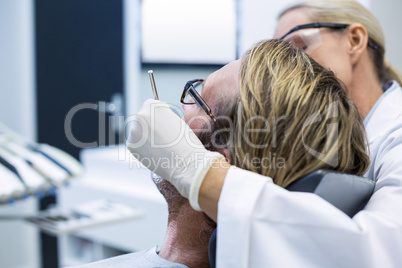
(306, 39)
(308, 36)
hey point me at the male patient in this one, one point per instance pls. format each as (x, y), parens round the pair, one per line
(188, 231)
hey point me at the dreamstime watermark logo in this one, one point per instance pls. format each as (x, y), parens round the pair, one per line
(219, 136)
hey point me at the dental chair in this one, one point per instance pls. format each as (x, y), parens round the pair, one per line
(349, 193)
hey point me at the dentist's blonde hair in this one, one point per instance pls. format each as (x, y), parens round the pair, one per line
(349, 12)
(290, 105)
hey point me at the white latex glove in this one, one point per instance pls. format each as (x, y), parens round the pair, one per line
(167, 146)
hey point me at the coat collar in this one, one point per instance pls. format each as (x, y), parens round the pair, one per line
(385, 113)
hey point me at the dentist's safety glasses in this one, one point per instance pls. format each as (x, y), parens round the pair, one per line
(306, 39)
(308, 36)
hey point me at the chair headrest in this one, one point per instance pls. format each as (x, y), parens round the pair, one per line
(349, 193)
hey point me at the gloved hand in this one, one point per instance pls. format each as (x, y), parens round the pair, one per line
(167, 146)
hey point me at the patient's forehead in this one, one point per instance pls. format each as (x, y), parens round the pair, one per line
(223, 83)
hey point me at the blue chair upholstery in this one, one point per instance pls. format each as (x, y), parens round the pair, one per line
(349, 193)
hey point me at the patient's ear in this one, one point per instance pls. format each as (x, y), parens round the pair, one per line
(226, 154)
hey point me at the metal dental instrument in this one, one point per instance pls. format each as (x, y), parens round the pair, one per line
(152, 79)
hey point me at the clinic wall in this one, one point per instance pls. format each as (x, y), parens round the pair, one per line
(258, 20)
(17, 66)
(19, 240)
(132, 59)
(170, 80)
(388, 13)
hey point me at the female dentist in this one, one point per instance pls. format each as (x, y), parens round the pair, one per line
(343, 36)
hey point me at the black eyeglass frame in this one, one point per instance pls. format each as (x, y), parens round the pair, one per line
(324, 25)
(189, 88)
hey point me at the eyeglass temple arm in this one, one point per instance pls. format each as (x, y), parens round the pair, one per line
(316, 25)
(198, 99)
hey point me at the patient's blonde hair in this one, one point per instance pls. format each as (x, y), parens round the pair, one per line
(307, 110)
(348, 12)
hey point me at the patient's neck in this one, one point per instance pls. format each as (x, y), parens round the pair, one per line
(187, 238)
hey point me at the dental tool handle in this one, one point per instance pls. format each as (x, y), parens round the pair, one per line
(152, 79)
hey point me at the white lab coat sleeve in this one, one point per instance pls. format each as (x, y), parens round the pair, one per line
(263, 225)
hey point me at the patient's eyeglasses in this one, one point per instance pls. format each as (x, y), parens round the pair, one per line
(324, 25)
(191, 95)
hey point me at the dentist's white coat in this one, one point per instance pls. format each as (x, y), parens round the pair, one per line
(263, 225)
